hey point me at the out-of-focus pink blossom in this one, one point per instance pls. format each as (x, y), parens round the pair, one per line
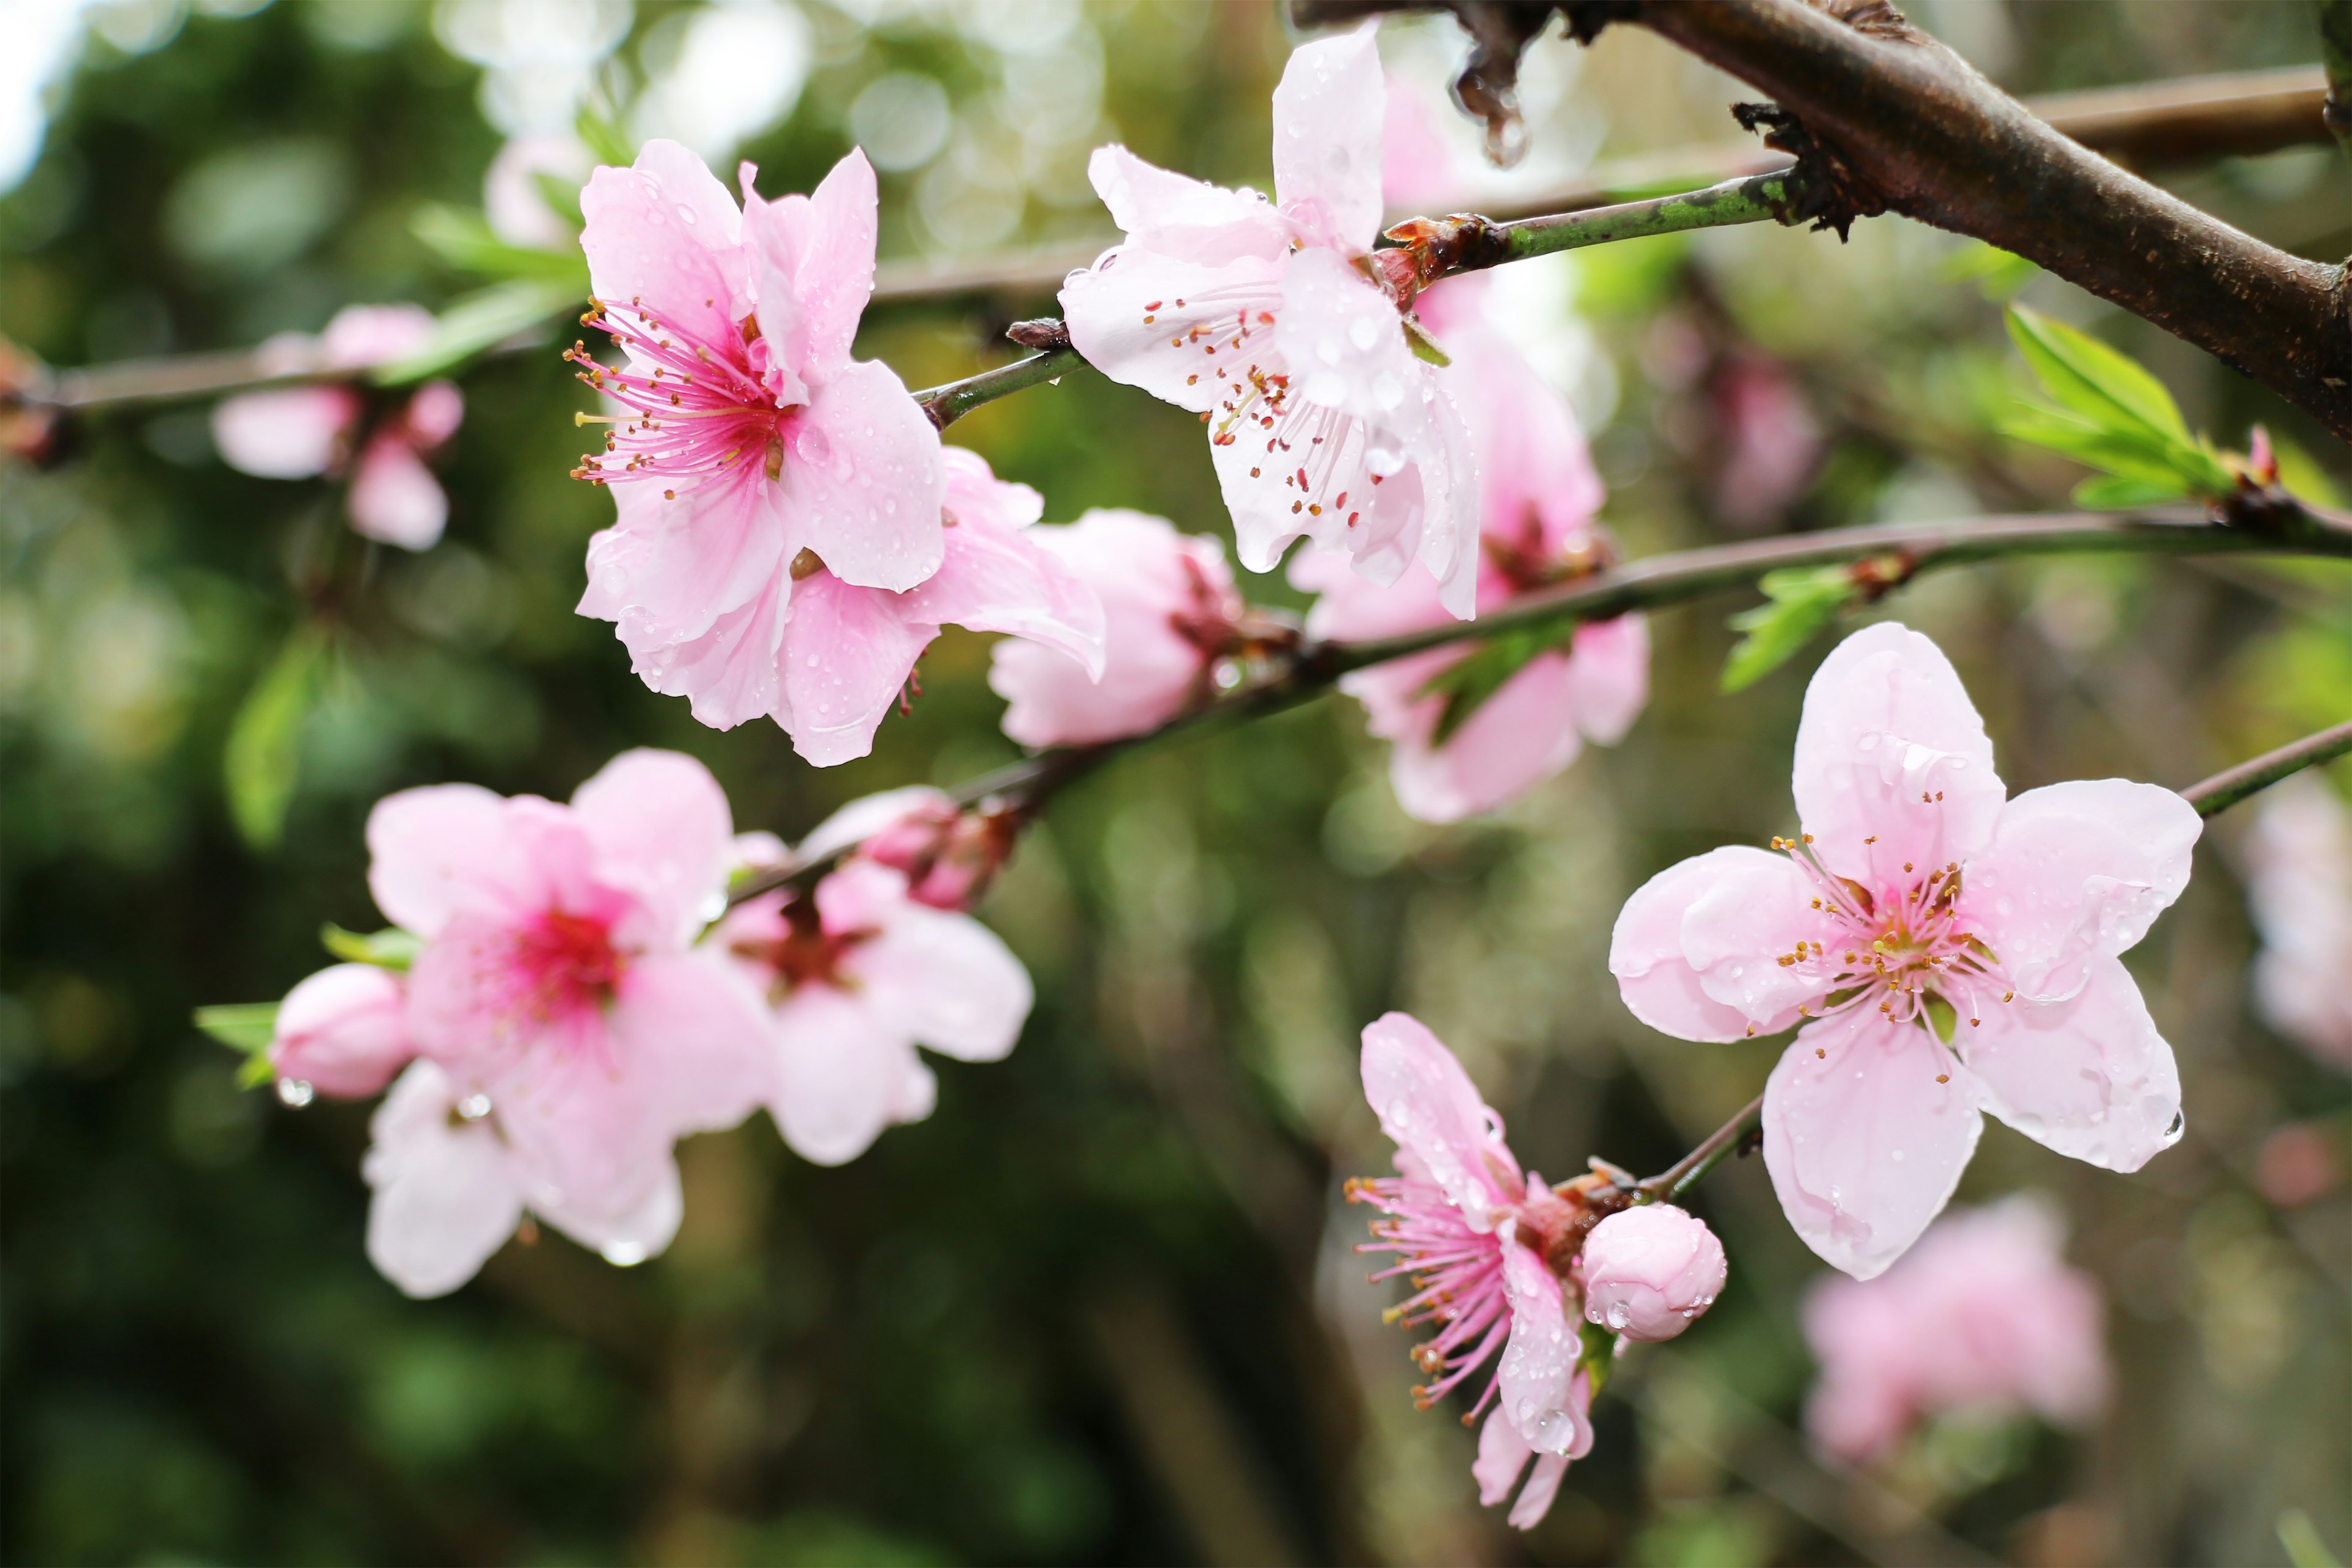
(1472, 1232)
(1772, 443)
(562, 1009)
(760, 473)
(2299, 887)
(1984, 1314)
(343, 1031)
(858, 975)
(1649, 1270)
(1264, 318)
(1921, 902)
(948, 854)
(1169, 609)
(515, 203)
(1537, 494)
(302, 432)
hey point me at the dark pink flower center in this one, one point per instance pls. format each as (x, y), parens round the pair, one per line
(564, 966)
(702, 409)
(804, 952)
(1900, 949)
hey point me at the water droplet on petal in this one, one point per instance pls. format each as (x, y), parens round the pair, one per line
(474, 1107)
(624, 1254)
(295, 1091)
(685, 214)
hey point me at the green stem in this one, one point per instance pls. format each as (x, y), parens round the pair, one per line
(1754, 198)
(2224, 790)
(947, 404)
(1693, 1168)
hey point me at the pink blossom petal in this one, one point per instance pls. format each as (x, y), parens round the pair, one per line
(2089, 1077)
(1536, 1496)
(1864, 1143)
(1177, 215)
(674, 564)
(733, 671)
(1428, 1107)
(664, 236)
(573, 1102)
(434, 415)
(847, 654)
(362, 337)
(1503, 1454)
(869, 815)
(1378, 526)
(2076, 872)
(395, 496)
(833, 274)
(343, 1031)
(996, 579)
(1609, 676)
(947, 982)
(1516, 739)
(1649, 1270)
(1145, 319)
(441, 851)
(630, 1236)
(840, 1073)
(695, 1035)
(444, 1198)
(1345, 348)
(1886, 723)
(1533, 1384)
(661, 828)
(1697, 948)
(1327, 114)
(292, 433)
(863, 480)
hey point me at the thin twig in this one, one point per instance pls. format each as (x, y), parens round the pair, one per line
(1693, 1168)
(2224, 790)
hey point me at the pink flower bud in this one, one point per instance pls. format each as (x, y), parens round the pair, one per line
(1648, 1271)
(343, 1031)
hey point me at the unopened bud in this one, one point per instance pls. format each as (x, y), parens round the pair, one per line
(1648, 1271)
(342, 1032)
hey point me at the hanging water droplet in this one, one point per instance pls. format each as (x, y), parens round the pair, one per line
(295, 1092)
(474, 1107)
(624, 1254)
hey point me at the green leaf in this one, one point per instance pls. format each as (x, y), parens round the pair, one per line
(389, 949)
(562, 196)
(480, 321)
(2302, 476)
(1596, 1352)
(1424, 347)
(2000, 274)
(2121, 492)
(2306, 1548)
(264, 742)
(464, 240)
(604, 139)
(1940, 1016)
(1801, 602)
(1467, 683)
(241, 1026)
(2111, 389)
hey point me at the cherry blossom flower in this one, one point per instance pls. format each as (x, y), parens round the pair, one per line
(1984, 1315)
(858, 975)
(562, 1010)
(1474, 1236)
(757, 469)
(342, 1032)
(1949, 951)
(1537, 494)
(1650, 1270)
(1169, 611)
(302, 432)
(949, 855)
(2299, 887)
(1265, 318)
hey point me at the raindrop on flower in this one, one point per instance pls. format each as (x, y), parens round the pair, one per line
(295, 1091)
(474, 1107)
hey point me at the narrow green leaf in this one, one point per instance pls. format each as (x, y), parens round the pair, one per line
(2303, 477)
(1596, 1353)
(2306, 1548)
(264, 751)
(604, 139)
(389, 949)
(1998, 273)
(2121, 492)
(562, 196)
(241, 1026)
(481, 320)
(2110, 388)
(1424, 347)
(1467, 683)
(464, 239)
(1800, 604)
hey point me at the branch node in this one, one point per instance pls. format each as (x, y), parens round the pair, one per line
(1825, 189)
(1873, 18)
(1043, 332)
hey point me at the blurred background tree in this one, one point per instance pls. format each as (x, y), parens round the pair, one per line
(1102, 1306)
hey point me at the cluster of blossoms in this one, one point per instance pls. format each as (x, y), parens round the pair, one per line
(302, 432)
(1983, 1316)
(1500, 1262)
(567, 994)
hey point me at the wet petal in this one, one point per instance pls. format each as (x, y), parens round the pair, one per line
(839, 1074)
(993, 579)
(1534, 1382)
(863, 481)
(2088, 1077)
(343, 1031)
(661, 827)
(1151, 321)
(1697, 948)
(847, 655)
(947, 982)
(444, 1200)
(1329, 111)
(1428, 1107)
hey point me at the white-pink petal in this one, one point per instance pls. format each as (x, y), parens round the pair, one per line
(861, 479)
(443, 850)
(1428, 1107)
(2088, 1077)
(444, 1200)
(395, 499)
(343, 1031)
(846, 658)
(1328, 114)
(1891, 748)
(663, 830)
(292, 433)
(1144, 319)
(1534, 1382)
(840, 1074)
(1866, 1140)
(947, 981)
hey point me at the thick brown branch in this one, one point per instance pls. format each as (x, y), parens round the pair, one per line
(1945, 146)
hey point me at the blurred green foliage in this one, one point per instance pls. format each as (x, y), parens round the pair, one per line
(1101, 1306)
